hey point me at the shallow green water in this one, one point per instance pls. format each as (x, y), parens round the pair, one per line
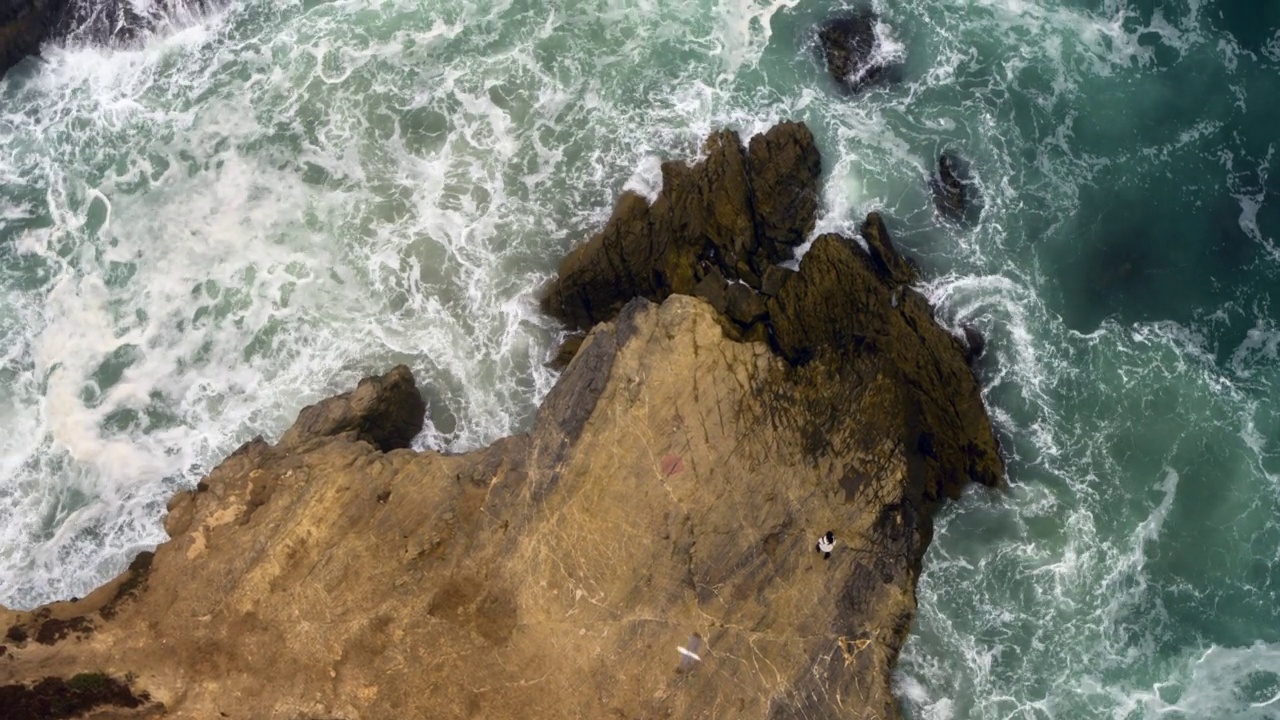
(199, 235)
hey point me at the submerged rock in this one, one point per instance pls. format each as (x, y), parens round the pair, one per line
(857, 57)
(954, 193)
(644, 550)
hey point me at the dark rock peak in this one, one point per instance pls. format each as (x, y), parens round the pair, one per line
(890, 265)
(975, 343)
(727, 218)
(857, 57)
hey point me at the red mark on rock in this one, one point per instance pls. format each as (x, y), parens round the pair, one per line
(672, 464)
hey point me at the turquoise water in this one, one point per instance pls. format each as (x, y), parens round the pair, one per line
(250, 211)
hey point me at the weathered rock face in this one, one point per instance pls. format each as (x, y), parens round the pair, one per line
(856, 58)
(668, 496)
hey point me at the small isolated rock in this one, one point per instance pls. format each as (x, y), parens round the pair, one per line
(975, 344)
(857, 56)
(954, 194)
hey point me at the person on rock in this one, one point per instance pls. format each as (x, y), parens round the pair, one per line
(825, 544)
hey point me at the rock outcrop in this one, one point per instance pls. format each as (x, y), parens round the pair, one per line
(856, 56)
(724, 220)
(24, 24)
(646, 550)
(954, 193)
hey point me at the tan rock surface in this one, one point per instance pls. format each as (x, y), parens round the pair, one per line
(669, 495)
(669, 488)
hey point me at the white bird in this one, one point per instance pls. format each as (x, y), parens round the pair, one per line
(825, 544)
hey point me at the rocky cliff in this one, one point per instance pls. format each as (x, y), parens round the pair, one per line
(646, 550)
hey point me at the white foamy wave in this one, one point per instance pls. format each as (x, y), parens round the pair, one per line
(1220, 682)
(746, 27)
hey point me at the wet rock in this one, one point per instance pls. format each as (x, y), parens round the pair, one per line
(954, 193)
(840, 305)
(27, 24)
(975, 343)
(785, 167)
(386, 411)
(856, 56)
(889, 264)
(24, 25)
(730, 212)
(775, 276)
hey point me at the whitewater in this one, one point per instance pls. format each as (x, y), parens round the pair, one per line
(255, 206)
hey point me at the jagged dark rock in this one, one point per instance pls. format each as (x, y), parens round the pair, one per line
(854, 54)
(954, 193)
(744, 305)
(386, 411)
(734, 212)
(975, 343)
(889, 264)
(775, 276)
(785, 166)
(24, 25)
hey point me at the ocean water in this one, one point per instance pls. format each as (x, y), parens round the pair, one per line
(251, 208)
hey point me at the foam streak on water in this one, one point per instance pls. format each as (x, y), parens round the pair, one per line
(205, 231)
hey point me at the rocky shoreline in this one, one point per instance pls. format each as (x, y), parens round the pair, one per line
(25, 25)
(645, 550)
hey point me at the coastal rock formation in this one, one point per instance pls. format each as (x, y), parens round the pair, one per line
(726, 219)
(856, 56)
(24, 24)
(954, 194)
(646, 550)
(27, 24)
